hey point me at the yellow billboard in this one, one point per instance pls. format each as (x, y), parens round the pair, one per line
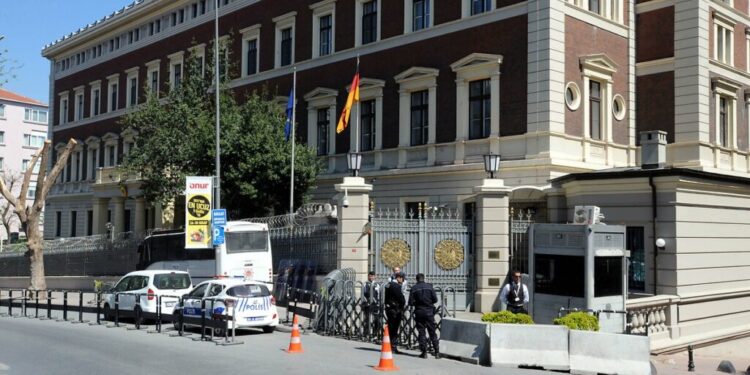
(198, 212)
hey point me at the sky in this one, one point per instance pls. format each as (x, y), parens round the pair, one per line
(28, 25)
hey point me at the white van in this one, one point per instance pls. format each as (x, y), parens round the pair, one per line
(148, 286)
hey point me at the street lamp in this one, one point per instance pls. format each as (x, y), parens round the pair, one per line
(354, 161)
(491, 164)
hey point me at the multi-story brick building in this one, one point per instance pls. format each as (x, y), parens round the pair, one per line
(23, 130)
(549, 85)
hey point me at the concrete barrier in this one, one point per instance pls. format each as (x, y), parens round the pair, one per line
(514, 345)
(466, 340)
(608, 353)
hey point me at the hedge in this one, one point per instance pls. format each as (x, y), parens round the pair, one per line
(507, 317)
(581, 321)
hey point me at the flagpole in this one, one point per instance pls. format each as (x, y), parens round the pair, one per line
(359, 112)
(294, 117)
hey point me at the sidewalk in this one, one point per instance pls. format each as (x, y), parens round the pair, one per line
(706, 358)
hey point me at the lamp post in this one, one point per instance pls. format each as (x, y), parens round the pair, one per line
(491, 164)
(354, 161)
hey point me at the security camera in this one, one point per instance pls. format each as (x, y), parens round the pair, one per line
(345, 203)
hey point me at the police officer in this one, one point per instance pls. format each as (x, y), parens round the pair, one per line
(515, 295)
(371, 295)
(423, 298)
(395, 303)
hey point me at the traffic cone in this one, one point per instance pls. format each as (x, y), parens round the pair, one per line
(295, 345)
(386, 355)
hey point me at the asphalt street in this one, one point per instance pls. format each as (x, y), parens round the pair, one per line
(32, 346)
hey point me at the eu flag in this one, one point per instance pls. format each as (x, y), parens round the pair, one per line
(289, 114)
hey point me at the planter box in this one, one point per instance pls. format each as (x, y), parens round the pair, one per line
(608, 353)
(545, 346)
(466, 340)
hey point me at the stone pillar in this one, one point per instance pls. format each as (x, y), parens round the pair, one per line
(492, 241)
(140, 215)
(100, 215)
(353, 206)
(557, 208)
(119, 214)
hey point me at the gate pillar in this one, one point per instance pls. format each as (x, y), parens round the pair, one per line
(353, 210)
(492, 260)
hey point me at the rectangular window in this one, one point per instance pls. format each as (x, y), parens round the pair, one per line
(419, 117)
(173, 18)
(79, 107)
(30, 114)
(133, 91)
(58, 223)
(2, 164)
(31, 193)
(595, 110)
(723, 122)
(286, 46)
(252, 57)
(412, 208)
(368, 125)
(73, 220)
(113, 97)
(89, 222)
(157, 26)
(634, 238)
(323, 124)
(326, 34)
(479, 109)
(203, 6)
(480, 6)
(24, 164)
(369, 21)
(111, 151)
(2, 110)
(177, 74)
(420, 15)
(595, 6)
(2, 137)
(95, 102)
(194, 9)
(723, 43)
(155, 81)
(607, 276)
(63, 111)
(181, 16)
(30, 140)
(559, 275)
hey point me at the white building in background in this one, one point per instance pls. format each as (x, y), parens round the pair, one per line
(23, 130)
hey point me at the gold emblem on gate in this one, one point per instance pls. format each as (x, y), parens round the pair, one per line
(449, 254)
(395, 253)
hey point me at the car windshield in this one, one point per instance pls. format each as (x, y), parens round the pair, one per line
(172, 281)
(249, 290)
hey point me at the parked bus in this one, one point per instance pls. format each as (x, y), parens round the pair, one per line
(246, 253)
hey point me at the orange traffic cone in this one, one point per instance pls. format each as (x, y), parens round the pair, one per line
(295, 345)
(386, 355)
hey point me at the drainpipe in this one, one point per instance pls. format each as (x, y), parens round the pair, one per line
(653, 225)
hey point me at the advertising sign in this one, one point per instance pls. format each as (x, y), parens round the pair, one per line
(198, 212)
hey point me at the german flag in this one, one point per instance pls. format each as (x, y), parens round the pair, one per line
(350, 100)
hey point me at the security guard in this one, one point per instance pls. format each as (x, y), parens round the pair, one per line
(423, 298)
(395, 303)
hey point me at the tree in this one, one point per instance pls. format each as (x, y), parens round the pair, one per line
(29, 215)
(6, 69)
(176, 138)
(7, 214)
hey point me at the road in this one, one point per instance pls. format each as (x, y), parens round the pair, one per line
(31, 346)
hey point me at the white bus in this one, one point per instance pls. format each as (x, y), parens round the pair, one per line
(246, 254)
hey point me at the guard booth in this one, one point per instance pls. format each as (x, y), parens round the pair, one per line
(578, 266)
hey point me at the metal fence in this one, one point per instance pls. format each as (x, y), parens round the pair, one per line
(519, 222)
(309, 235)
(77, 256)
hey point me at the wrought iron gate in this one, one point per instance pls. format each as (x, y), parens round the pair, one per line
(520, 221)
(437, 243)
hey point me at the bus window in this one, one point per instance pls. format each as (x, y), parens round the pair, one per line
(243, 242)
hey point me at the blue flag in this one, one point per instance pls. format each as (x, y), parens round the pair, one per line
(289, 110)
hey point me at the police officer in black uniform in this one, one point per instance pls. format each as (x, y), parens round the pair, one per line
(395, 303)
(423, 298)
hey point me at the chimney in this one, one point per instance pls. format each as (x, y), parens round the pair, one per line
(653, 149)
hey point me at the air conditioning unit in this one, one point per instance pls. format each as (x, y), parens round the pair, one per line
(587, 215)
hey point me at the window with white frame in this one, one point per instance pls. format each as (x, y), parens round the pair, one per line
(418, 15)
(152, 74)
(595, 109)
(611, 9)
(725, 104)
(474, 7)
(31, 194)
(132, 90)
(250, 50)
(33, 140)
(113, 92)
(323, 31)
(2, 137)
(321, 109)
(598, 73)
(2, 164)
(110, 149)
(477, 96)
(370, 112)
(96, 98)
(63, 108)
(175, 69)
(25, 164)
(34, 115)
(198, 57)
(2, 110)
(285, 26)
(79, 104)
(417, 102)
(367, 22)
(92, 158)
(368, 119)
(723, 40)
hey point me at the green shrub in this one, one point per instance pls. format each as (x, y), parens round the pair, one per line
(581, 321)
(507, 317)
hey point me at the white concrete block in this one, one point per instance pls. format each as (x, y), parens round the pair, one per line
(466, 340)
(513, 345)
(608, 353)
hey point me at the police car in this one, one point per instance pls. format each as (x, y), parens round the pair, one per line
(250, 302)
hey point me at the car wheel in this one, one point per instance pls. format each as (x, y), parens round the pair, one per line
(269, 329)
(107, 312)
(177, 320)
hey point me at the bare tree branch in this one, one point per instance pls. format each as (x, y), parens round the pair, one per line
(49, 180)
